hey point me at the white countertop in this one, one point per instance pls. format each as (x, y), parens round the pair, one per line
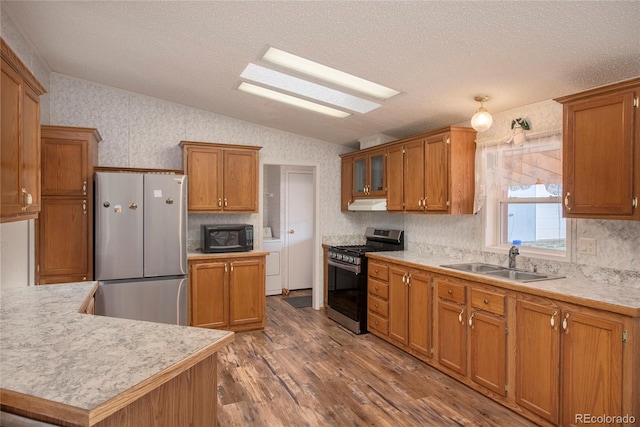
(50, 351)
(620, 299)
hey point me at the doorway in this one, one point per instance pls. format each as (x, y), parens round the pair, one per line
(289, 213)
(298, 217)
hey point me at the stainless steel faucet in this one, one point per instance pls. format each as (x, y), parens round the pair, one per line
(513, 252)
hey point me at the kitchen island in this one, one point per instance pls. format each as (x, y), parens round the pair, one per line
(65, 367)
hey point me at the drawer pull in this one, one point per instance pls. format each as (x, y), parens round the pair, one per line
(486, 301)
(450, 292)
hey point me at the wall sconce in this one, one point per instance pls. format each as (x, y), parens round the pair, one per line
(481, 120)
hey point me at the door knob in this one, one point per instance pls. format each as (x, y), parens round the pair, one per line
(291, 231)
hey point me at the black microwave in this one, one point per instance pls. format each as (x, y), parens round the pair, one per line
(219, 238)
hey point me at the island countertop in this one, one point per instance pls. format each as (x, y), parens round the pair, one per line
(57, 360)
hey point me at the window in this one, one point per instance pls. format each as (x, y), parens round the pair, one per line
(521, 188)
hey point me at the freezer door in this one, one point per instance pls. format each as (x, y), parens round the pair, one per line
(154, 300)
(165, 225)
(118, 225)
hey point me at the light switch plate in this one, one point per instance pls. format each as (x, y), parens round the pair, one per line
(587, 246)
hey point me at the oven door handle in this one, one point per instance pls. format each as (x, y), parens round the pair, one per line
(352, 268)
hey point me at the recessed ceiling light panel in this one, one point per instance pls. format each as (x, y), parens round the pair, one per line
(328, 74)
(291, 100)
(285, 82)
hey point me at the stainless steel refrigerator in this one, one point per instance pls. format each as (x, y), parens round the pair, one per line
(141, 247)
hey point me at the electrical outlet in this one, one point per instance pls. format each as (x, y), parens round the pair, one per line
(587, 246)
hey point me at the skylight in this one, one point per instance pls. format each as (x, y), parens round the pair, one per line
(282, 87)
(328, 74)
(294, 85)
(291, 100)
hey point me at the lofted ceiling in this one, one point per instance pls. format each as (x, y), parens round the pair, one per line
(438, 54)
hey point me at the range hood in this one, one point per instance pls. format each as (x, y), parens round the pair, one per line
(368, 205)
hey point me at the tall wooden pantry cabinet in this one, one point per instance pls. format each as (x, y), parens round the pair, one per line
(64, 231)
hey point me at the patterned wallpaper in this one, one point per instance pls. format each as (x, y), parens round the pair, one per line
(140, 131)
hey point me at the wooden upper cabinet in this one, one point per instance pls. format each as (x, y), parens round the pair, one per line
(20, 148)
(68, 157)
(346, 178)
(222, 177)
(395, 178)
(64, 230)
(601, 152)
(413, 172)
(436, 173)
(428, 173)
(369, 174)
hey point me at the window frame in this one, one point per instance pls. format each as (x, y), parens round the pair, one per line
(495, 216)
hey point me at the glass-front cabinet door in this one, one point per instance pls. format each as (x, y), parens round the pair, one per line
(360, 172)
(377, 185)
(369, 175)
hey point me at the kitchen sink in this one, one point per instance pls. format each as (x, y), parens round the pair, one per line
(501, 272)
(475, 267)
(520, 276)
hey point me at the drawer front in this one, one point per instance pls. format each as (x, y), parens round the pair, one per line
(488, 301)
(451, 291)
(379, 271)
(378, 324)
(379, 289)
(378, 306)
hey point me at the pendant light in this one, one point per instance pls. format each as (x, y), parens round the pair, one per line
(481, 120)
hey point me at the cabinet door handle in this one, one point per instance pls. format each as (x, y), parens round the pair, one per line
(553, 318)
(460, 316)
(471, 319)
(219, 202)
(232, 267)
(84, 187)
(27, 199)
(565, 323)
(84, 207)
(409, 280)
(225, 202)
(566, 201)
(404, 278)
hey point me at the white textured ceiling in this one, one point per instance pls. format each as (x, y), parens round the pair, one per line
(439, 54)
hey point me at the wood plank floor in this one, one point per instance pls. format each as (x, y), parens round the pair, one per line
(306, 370)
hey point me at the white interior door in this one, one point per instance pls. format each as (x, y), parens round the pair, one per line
(299, 228)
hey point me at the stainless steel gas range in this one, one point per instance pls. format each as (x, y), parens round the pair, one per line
(347, 280)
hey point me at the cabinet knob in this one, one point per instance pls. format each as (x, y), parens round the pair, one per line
(450, 292)
(486, 301)
(376, 288)
(133, 206)
(291, 231)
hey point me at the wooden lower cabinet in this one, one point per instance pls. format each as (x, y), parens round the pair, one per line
(554, 362)
(63, 229)
(227, 293)
(538, 358)
(400, 307)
